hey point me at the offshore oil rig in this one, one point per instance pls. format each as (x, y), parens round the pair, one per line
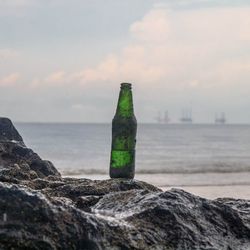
(163, 119)
(186, 116)
(220, 119)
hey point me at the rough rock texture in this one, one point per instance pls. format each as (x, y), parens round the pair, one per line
(17, 162)
(8, 132)
(41, 210)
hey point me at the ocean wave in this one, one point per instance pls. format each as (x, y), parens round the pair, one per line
(211, 169)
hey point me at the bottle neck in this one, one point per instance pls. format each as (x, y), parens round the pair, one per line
(125, 103)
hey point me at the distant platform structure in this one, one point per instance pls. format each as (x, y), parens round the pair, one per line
(163, 119)
(220, 119)
(186, 116)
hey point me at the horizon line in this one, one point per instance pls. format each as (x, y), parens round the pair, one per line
(142, 123)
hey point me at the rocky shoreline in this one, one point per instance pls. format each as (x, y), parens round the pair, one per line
(39, 209)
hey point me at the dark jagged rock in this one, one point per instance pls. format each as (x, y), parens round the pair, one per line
(17, 162)
(8, 132)
(74, 188)
(133, 219)
(41, 210)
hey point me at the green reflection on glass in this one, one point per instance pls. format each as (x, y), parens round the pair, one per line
(125, 103)
(120, 159)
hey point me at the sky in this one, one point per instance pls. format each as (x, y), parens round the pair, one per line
(63, 61)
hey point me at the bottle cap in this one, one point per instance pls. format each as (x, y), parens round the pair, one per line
(126, 85)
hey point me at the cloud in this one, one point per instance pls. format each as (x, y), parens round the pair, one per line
(174, 49)
(171, 48)
(9, 80)
(180, 48)
(56, 78)
(6, 54)
(102, 72)
(173, 55)
(194, 4)
(153, 27)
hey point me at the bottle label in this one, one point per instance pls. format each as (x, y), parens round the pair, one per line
(120, 159)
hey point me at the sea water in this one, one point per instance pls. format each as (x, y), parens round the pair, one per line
(206, 153)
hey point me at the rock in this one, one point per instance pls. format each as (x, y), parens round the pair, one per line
(43, 168)
(74, 188)
(13, 151)
(85, 203)
(132, 219)
(32, 222)
(8, 132)
(180, 220)
(41, 210)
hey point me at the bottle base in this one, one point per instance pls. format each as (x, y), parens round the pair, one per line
(121, 173)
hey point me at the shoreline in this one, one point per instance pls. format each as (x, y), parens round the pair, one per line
(214, 192)
(207, 185)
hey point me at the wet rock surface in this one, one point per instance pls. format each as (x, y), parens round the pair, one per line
(41, 210)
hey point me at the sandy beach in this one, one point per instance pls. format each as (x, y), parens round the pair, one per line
(208, 185)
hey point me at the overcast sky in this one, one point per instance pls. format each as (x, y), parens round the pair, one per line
(63, 60)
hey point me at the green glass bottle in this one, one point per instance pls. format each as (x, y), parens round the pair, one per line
(124, 127)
